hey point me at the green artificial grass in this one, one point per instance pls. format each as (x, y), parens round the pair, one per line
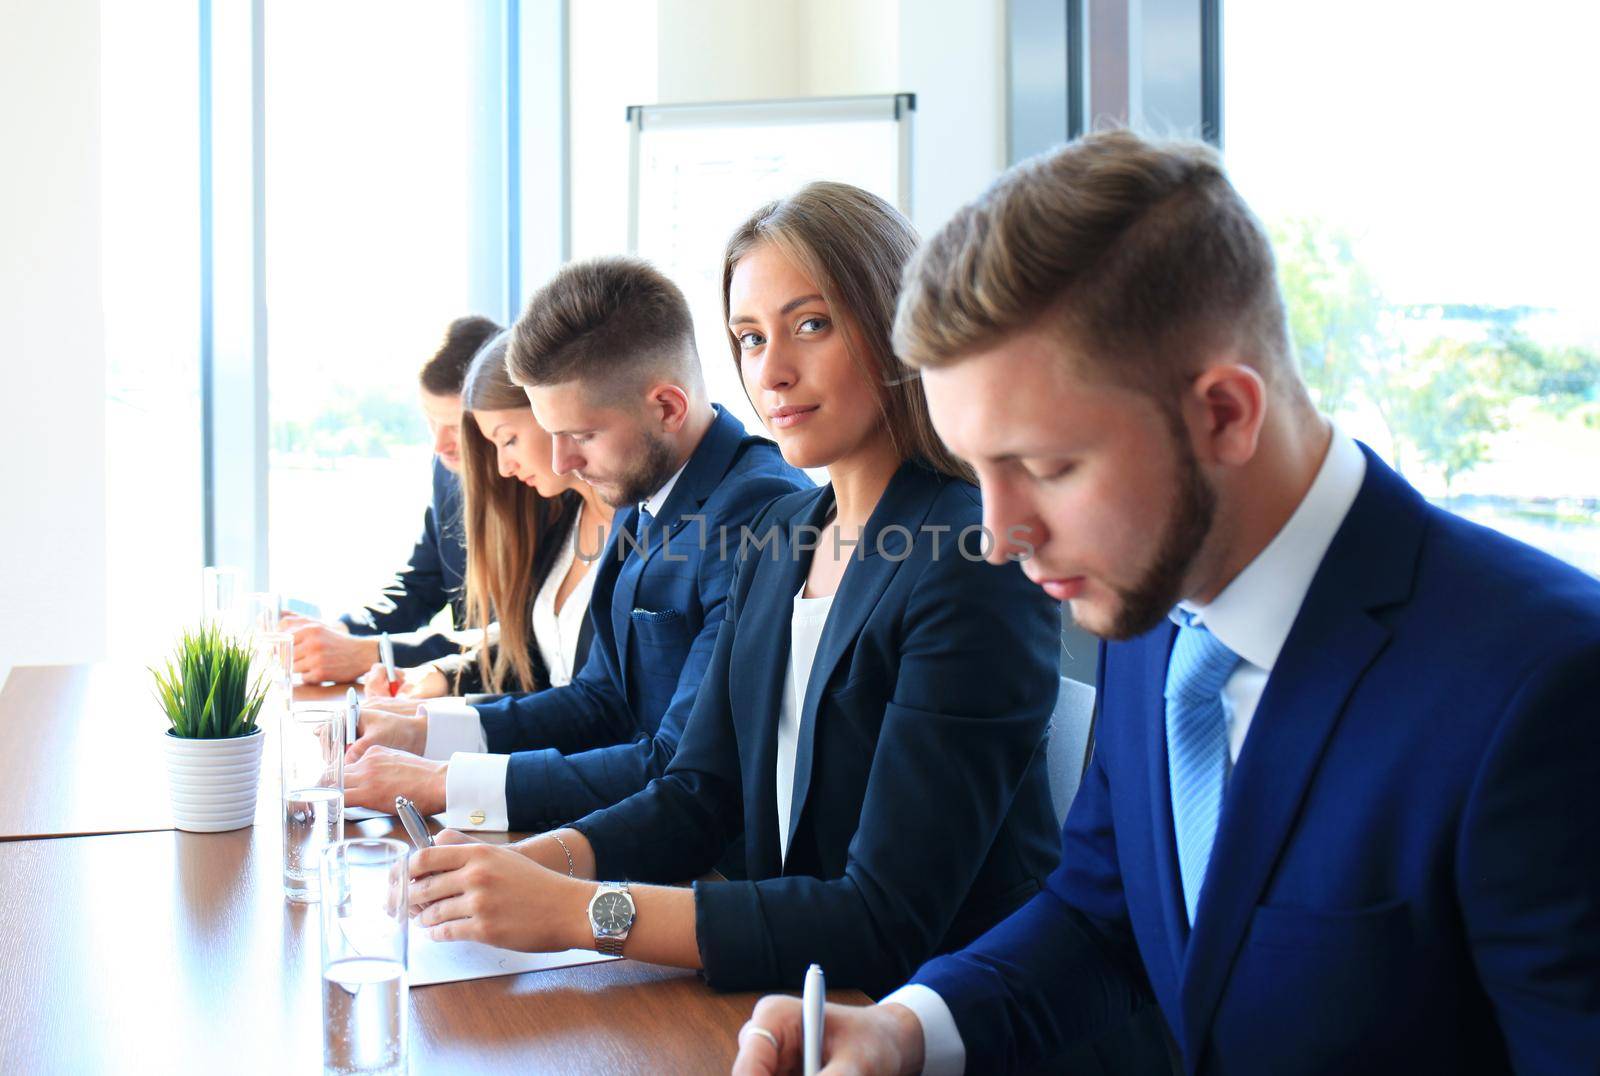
(206, 689)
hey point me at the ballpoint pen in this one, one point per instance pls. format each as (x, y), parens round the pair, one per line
(352, 716)
(811, 1004)
(386, 655)
(411, 818)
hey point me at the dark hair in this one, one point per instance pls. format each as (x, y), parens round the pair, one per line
(609, 323)
(1139, 253)
(444, 373)
(513, 534)
(854, 246)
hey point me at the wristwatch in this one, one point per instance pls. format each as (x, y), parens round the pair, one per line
(611, 915)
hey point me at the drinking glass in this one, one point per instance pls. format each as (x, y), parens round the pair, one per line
(260, 612)
(311, 747)
(364, 989)
(221, 589)
(275, 658)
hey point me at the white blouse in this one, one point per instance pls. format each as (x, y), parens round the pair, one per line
(556, 633)
(805, 632)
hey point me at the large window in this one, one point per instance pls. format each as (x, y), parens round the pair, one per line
(371, 120)
(1424, 170)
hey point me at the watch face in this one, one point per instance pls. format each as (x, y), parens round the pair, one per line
(612, 912)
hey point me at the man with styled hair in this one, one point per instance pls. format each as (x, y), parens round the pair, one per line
(606, 354)
(434, 578)
(1341, 809)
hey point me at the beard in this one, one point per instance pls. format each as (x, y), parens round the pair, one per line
(1147, 603)
(654, 464)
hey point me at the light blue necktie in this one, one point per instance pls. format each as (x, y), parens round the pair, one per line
(1197, 746)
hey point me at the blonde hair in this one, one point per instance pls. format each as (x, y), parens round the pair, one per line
(512, 533)
(1141, 254)
(854, 246)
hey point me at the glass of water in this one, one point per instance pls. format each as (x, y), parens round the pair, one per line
(221, 589)
(311, 746)
(275, 660)
(364, 922)
(260, 612)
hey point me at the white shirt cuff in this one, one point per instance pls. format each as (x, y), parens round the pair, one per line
(475, 791)
(452, 726)
(943, 1052)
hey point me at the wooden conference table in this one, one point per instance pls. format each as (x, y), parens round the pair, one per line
(127, 946)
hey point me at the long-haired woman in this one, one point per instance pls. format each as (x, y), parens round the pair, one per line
(532, 536)
(870, 727)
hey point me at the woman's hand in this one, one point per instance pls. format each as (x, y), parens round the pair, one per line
(425, 682)
(470, 891)
(377, 683)
(422, 682)
(564, 851)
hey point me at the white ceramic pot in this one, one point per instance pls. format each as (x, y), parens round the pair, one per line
(214, 782)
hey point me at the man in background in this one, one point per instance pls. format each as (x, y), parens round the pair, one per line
(433, 578)
(606, 354)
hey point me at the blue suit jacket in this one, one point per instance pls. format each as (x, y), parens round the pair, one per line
(655, 610)
(920, 814)
(434, 578)
(1406, 875)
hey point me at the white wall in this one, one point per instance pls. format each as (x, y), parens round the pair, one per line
(723, 50)
(853, 46)
(730, 50)
(52, 363)
(150, 273)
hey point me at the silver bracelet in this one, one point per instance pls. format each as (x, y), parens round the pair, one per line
(571, 871)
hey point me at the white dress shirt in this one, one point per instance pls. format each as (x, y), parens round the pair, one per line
(475, 783)
(556, 631)
(810, 616)
(1252, 617)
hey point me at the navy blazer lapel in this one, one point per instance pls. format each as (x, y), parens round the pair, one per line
(618, 552)
(905, 504)
(1370, 565)
(1150, 710)
(702, 474)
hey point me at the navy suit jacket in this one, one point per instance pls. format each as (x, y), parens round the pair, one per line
(434, 578)
(920, 814)
(655, 607)
(1406, 875)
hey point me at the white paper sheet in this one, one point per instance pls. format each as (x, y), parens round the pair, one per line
(433, 962)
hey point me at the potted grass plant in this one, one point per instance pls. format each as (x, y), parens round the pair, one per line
(212, 700)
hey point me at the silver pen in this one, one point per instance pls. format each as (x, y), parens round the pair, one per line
(352, 716)
(386, 656)
(812, 1004)
(411, 818)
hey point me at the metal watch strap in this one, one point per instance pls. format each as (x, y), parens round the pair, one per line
(611, 944)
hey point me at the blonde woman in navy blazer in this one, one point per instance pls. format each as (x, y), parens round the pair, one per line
(917, 812)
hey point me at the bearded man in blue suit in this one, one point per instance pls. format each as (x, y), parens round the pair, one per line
(1341, 813)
